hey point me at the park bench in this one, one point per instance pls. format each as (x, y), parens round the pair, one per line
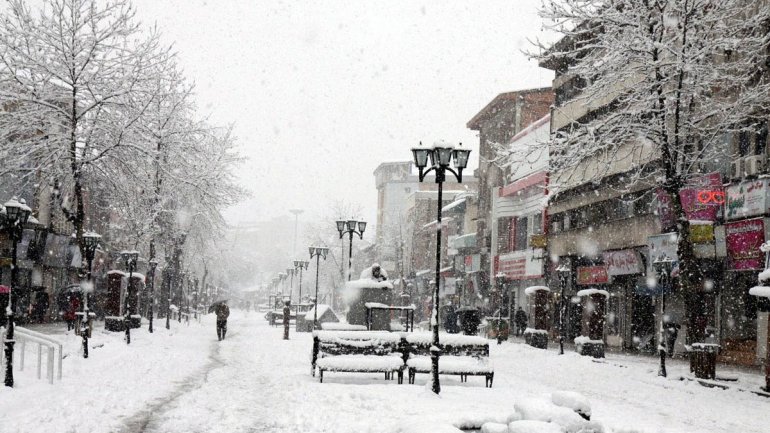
(358, 352)
(461, 355)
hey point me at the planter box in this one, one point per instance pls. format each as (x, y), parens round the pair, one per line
(114, 324)
(536, 338)
(591, 348)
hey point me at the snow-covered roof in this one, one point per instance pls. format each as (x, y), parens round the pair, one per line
(589, 292)
(529, 291)
(368, 284)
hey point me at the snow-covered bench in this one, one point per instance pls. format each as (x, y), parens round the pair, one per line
(461, 355)
(358, 352)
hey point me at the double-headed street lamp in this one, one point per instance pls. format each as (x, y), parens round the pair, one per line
(317, 252)
(153, 265)
(441, 155)
(13, 215)
(349, 227)
(299, 265)
(90, 242)
(663, 265)
(130, 257)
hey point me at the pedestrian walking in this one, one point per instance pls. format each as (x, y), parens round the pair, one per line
(223, 312)
(672, 331)
(72, 308)
(520, 318)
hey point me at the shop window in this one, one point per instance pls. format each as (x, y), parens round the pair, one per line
(520, 234)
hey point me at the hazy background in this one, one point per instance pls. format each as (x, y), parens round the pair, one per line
(322, 92)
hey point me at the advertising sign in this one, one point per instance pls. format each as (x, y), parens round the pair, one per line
(588, 275)
(519, 265)
(743, 241)
(623, 262)
(746, 199)
(701, 199)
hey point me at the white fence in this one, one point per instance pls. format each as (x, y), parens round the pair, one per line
(53, 349)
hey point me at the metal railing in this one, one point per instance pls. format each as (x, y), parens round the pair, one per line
(23, 336)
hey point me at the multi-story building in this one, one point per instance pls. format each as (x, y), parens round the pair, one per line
(497, 123)
(395, 182)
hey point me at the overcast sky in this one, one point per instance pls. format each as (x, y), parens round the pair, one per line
(322, 92)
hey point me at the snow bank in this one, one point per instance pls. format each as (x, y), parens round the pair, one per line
(547, 411)
(427, 426)
(589, 292)
(529, 291)
(493, 427)
(533, 426)
(762, 291)
(572, 400)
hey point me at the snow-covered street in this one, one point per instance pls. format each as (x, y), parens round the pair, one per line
(187, 381)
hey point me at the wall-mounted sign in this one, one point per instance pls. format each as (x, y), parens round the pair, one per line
(588, 275)
(538, 241)
(743, 241)
(701, 233)
(519, 265)
(701, 199)
(747, 199)
(623, 262)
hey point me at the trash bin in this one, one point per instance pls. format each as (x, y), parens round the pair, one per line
(703, 360)
(470, 319)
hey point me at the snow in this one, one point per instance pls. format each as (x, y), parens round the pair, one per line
(322, 309)
(331, 326)
(529, 291)
(585, 340)
(184, 380)
(452, 364)
(532, 426)
(572, 400)
(361, 362)
(589, 292)
(764, 275)
(762, 291)
(372, 337)
(535, 331)
(368, 284)
(447, 339)
(493, 427)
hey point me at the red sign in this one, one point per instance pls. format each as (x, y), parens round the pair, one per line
(743, 241)
(515, 269)
(716, 197)
(587, 275)
(4, 289)
(701, 200)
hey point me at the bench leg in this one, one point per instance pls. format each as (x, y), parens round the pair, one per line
(489, 378)
(312, 370)
(400, 377)
(411, 377)
(321, 375)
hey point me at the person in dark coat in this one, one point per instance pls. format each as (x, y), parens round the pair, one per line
(223, 312)
(520, 317)
(672, 332)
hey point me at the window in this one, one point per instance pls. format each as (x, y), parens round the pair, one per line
(503, 235)
(537, 224)
(520, 234)
(744, 143)
(761, 139)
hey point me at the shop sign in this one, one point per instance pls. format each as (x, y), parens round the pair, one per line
(701, 199)
(589, 275)
(473, 263)
(701, 233)
(746, 199)
(538, 241)
(519, 265)
(664, 245)
(743, 241)
(623, 262)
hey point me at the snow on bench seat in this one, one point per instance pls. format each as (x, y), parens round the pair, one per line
(361, 363)
(452, 365)
(376, 337)
(447, 339)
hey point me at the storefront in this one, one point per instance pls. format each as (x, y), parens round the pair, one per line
(517, 270)
(629, 315)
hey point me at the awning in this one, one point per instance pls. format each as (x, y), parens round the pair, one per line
(453, 205)
(422, 272)
(464, 241)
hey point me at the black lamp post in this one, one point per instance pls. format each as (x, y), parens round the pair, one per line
(349, 227)
(178, 243)
(13, 215)
(299, 265)
(90, 241)
(440, 157)
(153, 265)
(130, 257)
(317, 252)
(290, 272)
(663, 266)
(562, 272)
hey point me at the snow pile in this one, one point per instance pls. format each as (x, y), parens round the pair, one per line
(589, 292)
(427, 426)
(764, 275)
(572, 400)
(581, 340)
(535, 331)
(762, 291)
(322, 309)
(366, 274)
(372, 337)
(547, 411)
(529, 291)
(532, 426)
(447, 339)
(493, 427)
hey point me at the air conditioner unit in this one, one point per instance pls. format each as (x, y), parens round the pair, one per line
(736, 169)
(754, 165)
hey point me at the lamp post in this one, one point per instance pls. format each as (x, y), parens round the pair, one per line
(153, 265)
(563, 273)
(130, 257)
(90, 241)
(317, 252)
(440, 156)
(290, 272)
(13, 215)
(299, 265)
(178, 243)
(663, 266)
(349, 227)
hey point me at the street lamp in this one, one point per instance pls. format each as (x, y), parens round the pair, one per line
(317, 252)
(130, 257)
(153, 265)
(290, 272)
(177, 264)
(562, 272)
(299, 265)
(440, 156)
(349, 227)
(90, 242)
(663, 265)
(13, 215)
